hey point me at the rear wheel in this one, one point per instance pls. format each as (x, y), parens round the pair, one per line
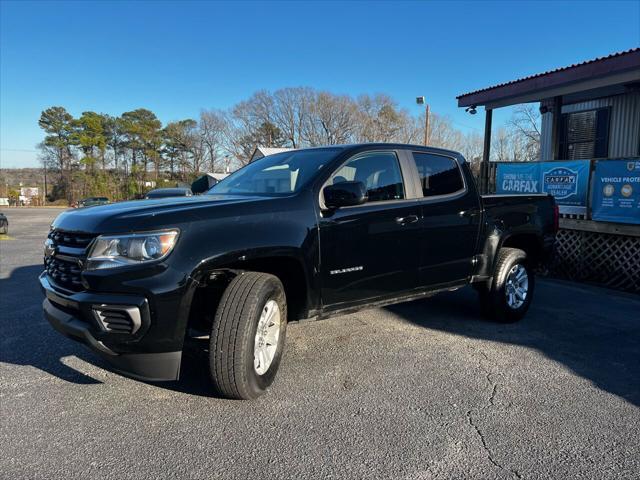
(508, 297)
(247, 335)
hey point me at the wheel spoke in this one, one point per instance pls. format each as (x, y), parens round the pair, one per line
(267, 313)
(273, 332)
(267, 337)
(517, 286)
(270, 352)
(263, 358)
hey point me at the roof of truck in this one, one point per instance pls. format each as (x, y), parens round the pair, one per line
(354, 146)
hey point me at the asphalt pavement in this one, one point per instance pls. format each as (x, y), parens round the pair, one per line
(422, 390)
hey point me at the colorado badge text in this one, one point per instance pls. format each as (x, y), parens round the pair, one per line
(346, 270)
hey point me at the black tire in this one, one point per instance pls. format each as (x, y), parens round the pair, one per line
(231, 348)
(493, 298)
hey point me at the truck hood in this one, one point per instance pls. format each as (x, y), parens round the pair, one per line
(145, 214)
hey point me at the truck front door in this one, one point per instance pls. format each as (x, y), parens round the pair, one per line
(370, 250)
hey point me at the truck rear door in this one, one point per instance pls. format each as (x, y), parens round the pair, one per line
(450, 218)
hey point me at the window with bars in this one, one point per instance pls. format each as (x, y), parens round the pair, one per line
(585, 134)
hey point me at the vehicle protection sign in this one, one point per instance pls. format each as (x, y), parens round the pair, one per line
(616, 191)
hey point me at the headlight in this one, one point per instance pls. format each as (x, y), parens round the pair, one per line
(111, 251)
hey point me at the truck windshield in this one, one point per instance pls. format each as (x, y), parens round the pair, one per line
(279, 174)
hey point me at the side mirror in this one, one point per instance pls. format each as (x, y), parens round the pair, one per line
(345, 194)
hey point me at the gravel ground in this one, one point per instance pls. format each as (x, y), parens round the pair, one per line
(416, 391)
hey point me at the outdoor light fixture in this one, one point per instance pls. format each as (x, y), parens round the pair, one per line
(472, 110)
(420, 100)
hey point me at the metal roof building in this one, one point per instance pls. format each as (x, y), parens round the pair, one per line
(260, 152)
(589, 135)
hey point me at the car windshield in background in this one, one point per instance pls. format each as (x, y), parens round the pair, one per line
(279, 174)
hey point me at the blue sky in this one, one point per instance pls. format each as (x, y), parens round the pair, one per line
(176, 58)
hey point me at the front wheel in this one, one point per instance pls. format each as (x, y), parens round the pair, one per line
(247, 335)
(509, 296)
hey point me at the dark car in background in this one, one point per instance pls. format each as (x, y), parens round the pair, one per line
(169, 192)
(4, 224)
(92, 202)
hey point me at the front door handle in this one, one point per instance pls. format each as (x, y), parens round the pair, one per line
(406, 220)
(467, 213)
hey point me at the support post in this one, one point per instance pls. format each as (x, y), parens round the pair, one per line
(555, 128)
(426, 125)
(486, 152)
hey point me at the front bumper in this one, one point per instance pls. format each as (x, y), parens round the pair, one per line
(72, 314)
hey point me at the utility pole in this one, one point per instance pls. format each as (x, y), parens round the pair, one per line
(44, 198)
(422, 101)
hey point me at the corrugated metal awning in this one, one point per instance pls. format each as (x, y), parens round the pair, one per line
(603, 72)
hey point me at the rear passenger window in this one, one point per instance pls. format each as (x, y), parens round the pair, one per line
(439, 175)
(379, 171)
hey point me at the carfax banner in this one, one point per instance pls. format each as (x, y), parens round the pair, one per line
(567, 181)
(616, 191)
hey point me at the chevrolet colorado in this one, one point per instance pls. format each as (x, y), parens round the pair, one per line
(302, 234)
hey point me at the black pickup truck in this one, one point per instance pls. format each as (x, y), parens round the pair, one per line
(302, 234)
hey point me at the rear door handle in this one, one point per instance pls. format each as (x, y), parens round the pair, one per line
(406, 220)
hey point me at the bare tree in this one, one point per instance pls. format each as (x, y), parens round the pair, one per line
(212, 128)
(379, 119)
(472, 147)
(332, 120)
(442, 133)
(502, 146)
(291, 111)
(525, 124)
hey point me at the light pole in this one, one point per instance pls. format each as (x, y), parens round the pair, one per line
(423, 101)
(44, 197)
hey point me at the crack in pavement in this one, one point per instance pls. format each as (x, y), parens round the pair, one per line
(488, 450)
(490, 403)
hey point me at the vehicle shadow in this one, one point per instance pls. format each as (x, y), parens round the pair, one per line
(594, 332)
(28, 339)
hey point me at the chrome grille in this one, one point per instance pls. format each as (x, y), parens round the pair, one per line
(68, 252)
(71, 239)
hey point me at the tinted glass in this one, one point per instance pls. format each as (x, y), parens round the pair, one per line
(279, 174)
(438, 175)
(379, 171)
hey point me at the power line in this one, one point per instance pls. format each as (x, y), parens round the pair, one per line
(18, 150)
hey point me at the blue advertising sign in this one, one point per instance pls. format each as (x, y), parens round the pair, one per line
(567, 181)
(518, 178)
(616, 191)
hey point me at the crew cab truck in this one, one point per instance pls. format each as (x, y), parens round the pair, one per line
(302, 234)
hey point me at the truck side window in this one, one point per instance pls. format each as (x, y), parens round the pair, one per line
(379, 171)
(439, 175)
